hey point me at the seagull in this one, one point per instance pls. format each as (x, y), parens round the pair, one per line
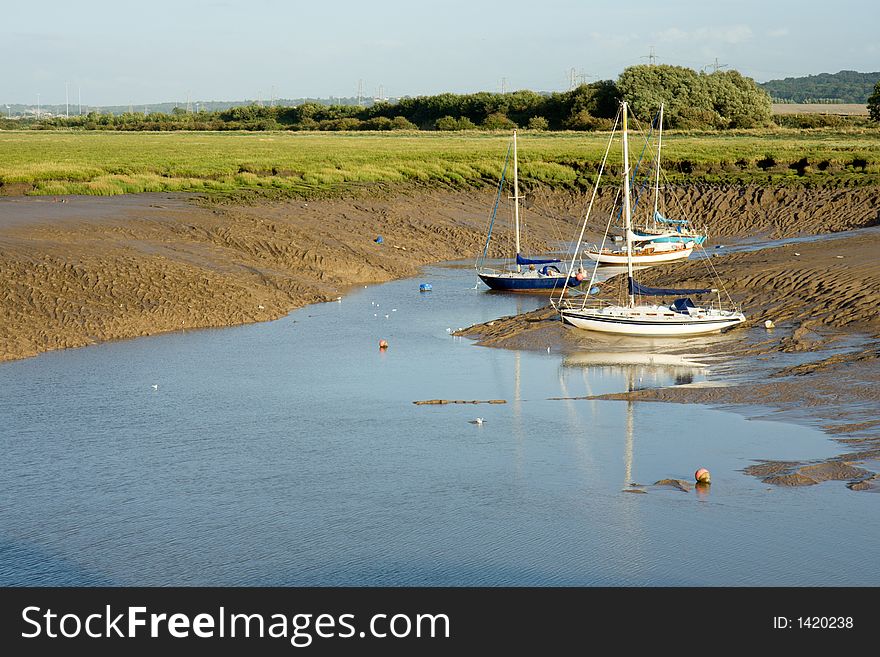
(448, 330)
(478, 421)
(155, 386)
(387, 316)
(548, 350)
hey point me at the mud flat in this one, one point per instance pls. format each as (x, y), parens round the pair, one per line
(79, 270)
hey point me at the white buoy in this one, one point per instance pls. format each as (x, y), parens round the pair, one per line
(768, 324)
(155, 386)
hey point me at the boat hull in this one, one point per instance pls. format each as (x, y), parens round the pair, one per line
(642, 259)
(680, 239)
(645, 327)
(512, 282)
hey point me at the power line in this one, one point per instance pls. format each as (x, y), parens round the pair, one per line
(651, 57)
(714, 66)
(577, 78)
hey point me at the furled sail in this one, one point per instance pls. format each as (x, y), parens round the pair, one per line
(534, 261)
(659, 217)
(643, 290)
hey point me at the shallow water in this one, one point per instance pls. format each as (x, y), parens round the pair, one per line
(290, 453)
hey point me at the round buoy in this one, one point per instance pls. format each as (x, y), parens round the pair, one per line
(383, 344)
(702, 476)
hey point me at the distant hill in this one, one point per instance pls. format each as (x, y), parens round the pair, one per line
(841, 87)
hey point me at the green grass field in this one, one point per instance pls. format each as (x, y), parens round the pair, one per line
(313, 164)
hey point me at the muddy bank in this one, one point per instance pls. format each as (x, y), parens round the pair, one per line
(775, 212)
(80, 270)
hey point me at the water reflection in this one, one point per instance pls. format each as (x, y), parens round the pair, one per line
(639, 367)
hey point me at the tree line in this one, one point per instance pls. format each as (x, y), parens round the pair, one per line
(840, 87)
(718, 100)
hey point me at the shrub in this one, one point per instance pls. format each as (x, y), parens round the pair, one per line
(498, 121)
(538, 123)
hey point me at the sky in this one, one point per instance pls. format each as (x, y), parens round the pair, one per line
(121, 53)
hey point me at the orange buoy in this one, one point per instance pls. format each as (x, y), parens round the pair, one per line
(702, 476)
(383, 344)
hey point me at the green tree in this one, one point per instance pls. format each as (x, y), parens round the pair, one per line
(583, 120)
(498, 121)
(401, 123)
(874, 103)
(377, 123)
(538, 123)
(451, 123)
(446, 123)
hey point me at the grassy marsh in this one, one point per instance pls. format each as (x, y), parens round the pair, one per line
(320, 164)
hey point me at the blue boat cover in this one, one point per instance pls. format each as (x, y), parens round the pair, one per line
(534, 261)
(643, 290)
(659, 217)
(683, 305)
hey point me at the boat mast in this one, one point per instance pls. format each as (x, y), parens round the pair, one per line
(657, 180)
(627, 210)
(516, 197)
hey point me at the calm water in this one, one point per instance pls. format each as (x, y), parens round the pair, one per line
(290, 453)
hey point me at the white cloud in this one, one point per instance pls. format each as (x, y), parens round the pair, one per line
(612, 40)
(778, 32)
(672, 34)
(725, 34)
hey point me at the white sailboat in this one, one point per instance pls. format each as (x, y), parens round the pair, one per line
(658, 228)
(680, 318)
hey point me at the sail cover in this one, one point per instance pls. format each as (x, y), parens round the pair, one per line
(534, 261)
(659, 217)
(643, 290)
